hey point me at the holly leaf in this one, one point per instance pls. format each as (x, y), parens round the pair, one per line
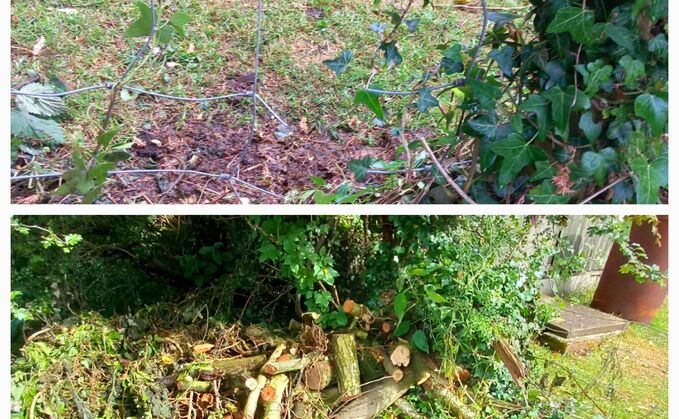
(545, 193)
(143, 25)
(371, 101)
(574, 20)
(419, 340)
(653, 109)
(427, 100)
(339, 65)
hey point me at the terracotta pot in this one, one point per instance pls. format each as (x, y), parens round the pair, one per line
(621, 294)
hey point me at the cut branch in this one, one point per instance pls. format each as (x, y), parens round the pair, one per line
(346, 361)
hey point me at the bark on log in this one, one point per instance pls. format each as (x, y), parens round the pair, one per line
(352, 308)
(441, 388)
(346, 363)
(187, 384)
(516, 368)
(318, 375)
(400, 355)
(253, 399)
(377, 397)
(235, 366)
(295, 364)
(273, 408)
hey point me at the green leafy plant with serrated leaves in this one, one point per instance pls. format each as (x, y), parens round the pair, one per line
(575, 114)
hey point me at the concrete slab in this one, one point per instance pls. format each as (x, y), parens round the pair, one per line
(577, 321)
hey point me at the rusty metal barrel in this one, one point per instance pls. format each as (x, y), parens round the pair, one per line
(621, 294)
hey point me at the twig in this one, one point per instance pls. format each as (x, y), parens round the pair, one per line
(482, 38)
(445, 174)
(602, 190)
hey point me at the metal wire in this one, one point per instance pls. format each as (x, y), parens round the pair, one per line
(221, 176)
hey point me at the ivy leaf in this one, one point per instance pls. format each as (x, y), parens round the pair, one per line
(591, 129)
(371, 101)
(485, 94)
(575, 20)
(427, 100)
(42, 106)
(143, 25)
(339, 65)
(419, 340)
(27, 126)
(500, 19)
(360, 167)
(594, 165)
(412, 24)
(621, 36)
(634, 70)
(504, 58)
(452, 60)
(658, 46)
(543, 170)
(646, 183)
(561, 108)
(545, 193)
(659, 169)
(400, 305)
(391, 54)
(538, 105)
(402, 328)
(516, 156)
(654, 110)
(485, 125)
(595, 74)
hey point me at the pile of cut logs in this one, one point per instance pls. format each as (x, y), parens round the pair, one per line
(353, 373)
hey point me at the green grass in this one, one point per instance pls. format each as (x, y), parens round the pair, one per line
(626, 376)
(87, 47)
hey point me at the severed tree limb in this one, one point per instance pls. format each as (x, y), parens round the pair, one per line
(408, 409)
(295, 364)
(239, 365)
(272, 408)
(395, 372)
(346, 362)
(253, 398)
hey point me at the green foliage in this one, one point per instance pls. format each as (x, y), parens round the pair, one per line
(591, 87)
(339, 65)
(34, 117)
(166, 29)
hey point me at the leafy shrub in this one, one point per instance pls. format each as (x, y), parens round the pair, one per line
(555, 118)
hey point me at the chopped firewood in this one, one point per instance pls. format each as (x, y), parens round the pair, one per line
(284, 357)
(395, 372)
(239, 365)
(280, 367)
(273, 408)
(400, 355)
(318, 375)
(511, 361)
(346, 362)
(377, 397)
(253, 398)
(268, 393)
(202, 348)
(186, 383)
(357, 311)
